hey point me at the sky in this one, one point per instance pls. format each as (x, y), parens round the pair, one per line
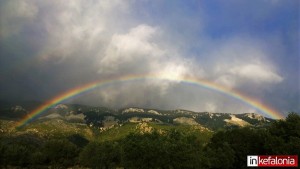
(49, 47)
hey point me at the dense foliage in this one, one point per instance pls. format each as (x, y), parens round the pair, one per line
(169, 149)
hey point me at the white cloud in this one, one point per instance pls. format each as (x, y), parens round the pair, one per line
(138, 52)
(256, 73)
(80, 26)
(227, 80)
(210, 107)
(241, 61)
(174, 71)
(131, 52)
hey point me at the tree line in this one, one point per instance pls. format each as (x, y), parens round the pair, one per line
(169, 150)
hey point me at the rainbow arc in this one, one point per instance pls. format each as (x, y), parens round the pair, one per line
(263, 108)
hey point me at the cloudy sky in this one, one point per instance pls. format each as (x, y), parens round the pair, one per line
(48, 47)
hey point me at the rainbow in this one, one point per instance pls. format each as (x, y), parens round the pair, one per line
(266, 110)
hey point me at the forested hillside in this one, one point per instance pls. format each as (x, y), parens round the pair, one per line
(144, 145)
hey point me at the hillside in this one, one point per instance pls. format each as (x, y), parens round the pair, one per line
(104, 118)
(79, 136)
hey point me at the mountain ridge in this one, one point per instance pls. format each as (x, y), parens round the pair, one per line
(104, 117)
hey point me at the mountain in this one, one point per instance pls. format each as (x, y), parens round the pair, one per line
(105, 118)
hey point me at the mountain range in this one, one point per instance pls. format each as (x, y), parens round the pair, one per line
(104, 118)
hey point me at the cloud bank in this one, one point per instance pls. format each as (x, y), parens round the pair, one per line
(49, 47)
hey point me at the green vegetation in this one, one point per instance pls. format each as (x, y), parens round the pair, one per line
(117, 133)
(164, 146)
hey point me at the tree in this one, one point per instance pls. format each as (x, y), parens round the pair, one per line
(287, 128)
(172, 149)
(285, 135)
(231, 147)
(219, 157)
(60, 152)
(100, 155)
(16, 150)
(78, 140)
